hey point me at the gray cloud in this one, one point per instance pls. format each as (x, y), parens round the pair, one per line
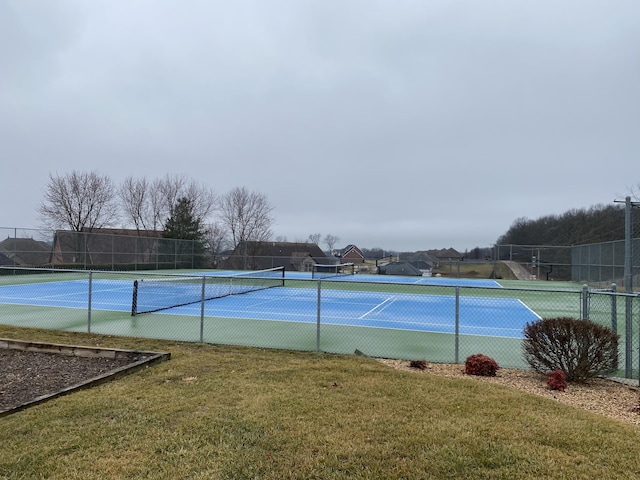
(401, 125)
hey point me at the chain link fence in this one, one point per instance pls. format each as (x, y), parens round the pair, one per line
(601, 264)
(116, 250)
(542, 262)
(384, 318)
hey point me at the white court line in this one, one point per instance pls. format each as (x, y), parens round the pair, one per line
(386, 303)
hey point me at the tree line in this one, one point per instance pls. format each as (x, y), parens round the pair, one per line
(599, 223)
(182, 208)
(175, 206)
(596, 224)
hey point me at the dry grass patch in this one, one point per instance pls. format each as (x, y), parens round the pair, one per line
(242, 413)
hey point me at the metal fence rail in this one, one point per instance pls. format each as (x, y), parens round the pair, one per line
(438, 323)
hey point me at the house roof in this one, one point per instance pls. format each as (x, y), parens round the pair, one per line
(129, 232)
(400, 268)
(105, 246)
(446, 254)
(421, 264)
(4, 260)
(262, 255)
(351, 250)
(25, 251)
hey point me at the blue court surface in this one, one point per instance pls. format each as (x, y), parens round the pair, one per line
(496, 317)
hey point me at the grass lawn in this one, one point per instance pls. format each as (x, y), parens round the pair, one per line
(242, 413)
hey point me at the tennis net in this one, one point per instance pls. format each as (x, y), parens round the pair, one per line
(327, 271)
(153, 294)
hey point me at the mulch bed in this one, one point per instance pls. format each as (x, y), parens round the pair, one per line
(26, 375)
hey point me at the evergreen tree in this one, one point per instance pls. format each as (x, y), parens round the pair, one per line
(184, 224)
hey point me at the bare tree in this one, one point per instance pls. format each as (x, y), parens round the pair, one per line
(135, 202)
(158, 204)
(217, 238)
(246, 215)
(171, 187)
(331, 241)
(315, 238)
(148, 205)
(80, 201)
(203, 198)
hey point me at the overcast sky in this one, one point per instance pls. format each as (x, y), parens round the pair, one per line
(403, 125)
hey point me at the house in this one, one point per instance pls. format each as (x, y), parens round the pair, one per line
(25, 251)
(446, 255)
(423, 266)
(420, 256)
(399, 268)
(4, 260)
(105, 247)
(351, 254)
(293, 256)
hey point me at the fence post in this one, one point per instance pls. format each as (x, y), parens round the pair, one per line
(457, 333)
(638, 305)
(89, 303)
(628, 336)
(614, 308)
(585, 302)
(318, 317)
(203, 293)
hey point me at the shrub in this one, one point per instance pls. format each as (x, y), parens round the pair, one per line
(419, 364)
(580, 348)
(557, 380)
(481, 365)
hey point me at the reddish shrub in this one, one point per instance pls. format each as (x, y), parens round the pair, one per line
(481, 365)
(557, 380)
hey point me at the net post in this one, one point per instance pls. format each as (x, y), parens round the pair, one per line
(134, 300)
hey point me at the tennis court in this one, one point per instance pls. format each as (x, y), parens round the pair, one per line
(437, 319)
(405, 317)
(398, 311)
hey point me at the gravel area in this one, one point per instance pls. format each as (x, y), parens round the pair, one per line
(600, 395)
(26, 375)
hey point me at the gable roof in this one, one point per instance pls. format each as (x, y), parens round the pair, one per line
(105, 246)
(446, 254)
(400, 268)
(25, 251)
(262, 255)
(421, 264)
(4, 260)
(351, 251)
